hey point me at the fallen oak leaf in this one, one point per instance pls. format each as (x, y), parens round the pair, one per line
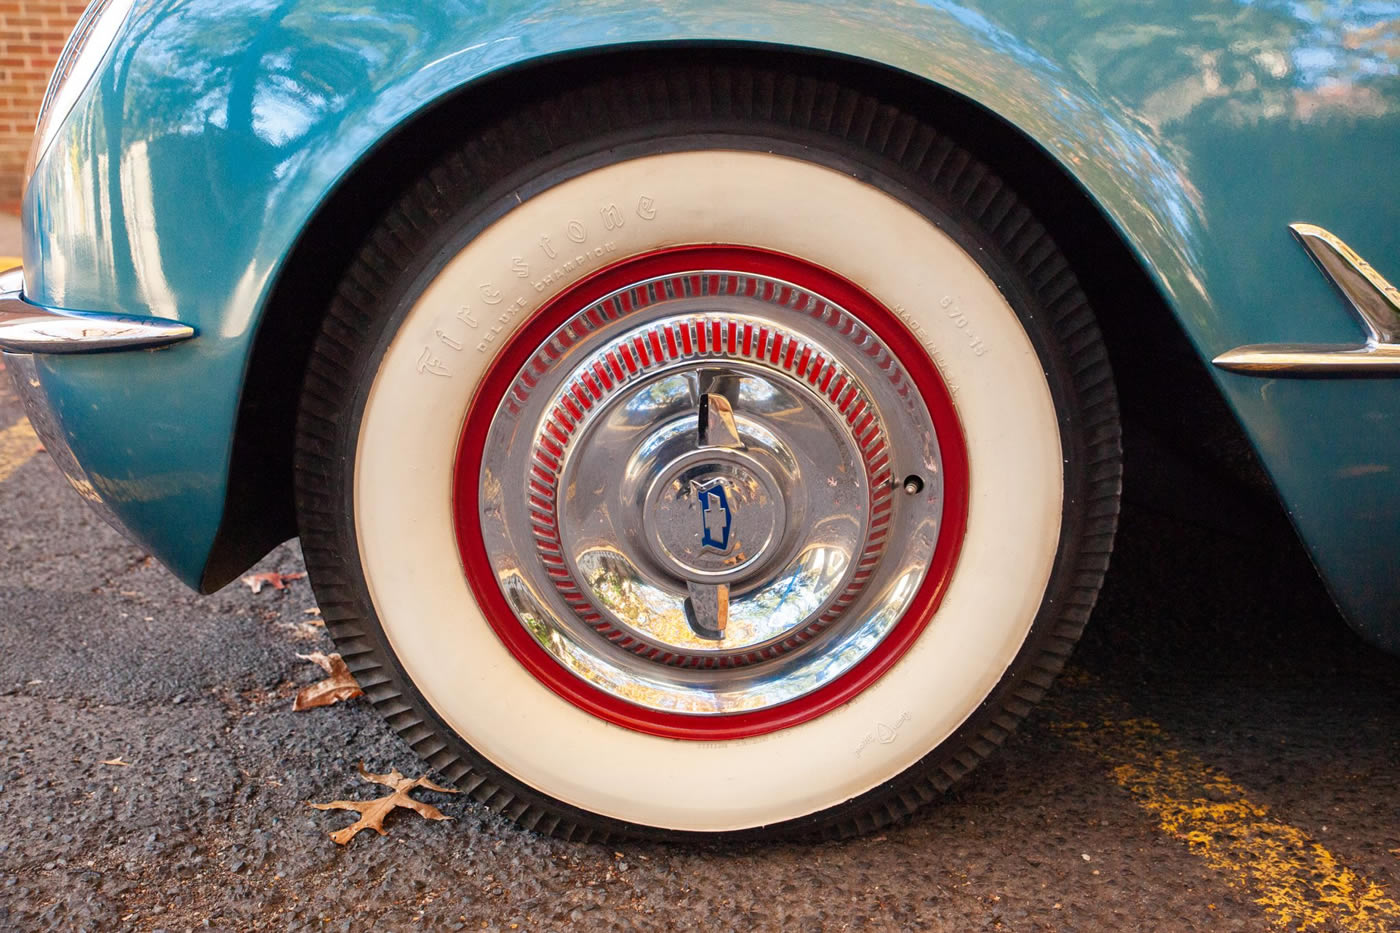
(339, 685)
(373, 812)
(278, 581)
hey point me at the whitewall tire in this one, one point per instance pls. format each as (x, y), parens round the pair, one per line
(915, 448)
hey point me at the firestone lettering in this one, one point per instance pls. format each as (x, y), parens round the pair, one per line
(573, 264)
(500, 323)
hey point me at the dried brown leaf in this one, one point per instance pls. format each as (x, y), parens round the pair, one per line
(278, 581)
(339, 685)
(373, 812)
(117, 761)
(325, 662)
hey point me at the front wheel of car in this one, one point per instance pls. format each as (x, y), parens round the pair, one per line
(707, 452)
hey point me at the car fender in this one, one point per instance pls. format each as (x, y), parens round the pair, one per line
(213, 133)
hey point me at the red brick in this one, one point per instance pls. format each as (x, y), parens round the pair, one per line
(32, 33)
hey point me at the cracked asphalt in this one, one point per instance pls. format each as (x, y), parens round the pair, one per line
(1223, 754)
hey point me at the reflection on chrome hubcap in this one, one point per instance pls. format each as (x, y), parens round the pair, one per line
(689, 493)
(712, 514)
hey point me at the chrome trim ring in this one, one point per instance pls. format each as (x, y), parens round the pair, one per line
(687, 492)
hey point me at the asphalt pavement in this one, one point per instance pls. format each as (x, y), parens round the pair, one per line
(1223, 755)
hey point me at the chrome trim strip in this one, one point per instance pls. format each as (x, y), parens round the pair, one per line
(27, 328)
(1303, 359)
(1375, 302)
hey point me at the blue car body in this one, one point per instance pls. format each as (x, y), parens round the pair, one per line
(200, 154)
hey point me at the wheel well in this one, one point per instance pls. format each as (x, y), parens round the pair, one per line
(1152, 360)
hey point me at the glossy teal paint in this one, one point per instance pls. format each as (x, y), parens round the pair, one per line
(189, 168)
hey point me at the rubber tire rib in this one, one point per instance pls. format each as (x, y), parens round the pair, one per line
(440, 212)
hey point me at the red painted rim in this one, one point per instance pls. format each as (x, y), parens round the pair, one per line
(525, 343)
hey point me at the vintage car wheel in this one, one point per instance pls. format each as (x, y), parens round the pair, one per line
(715, 452)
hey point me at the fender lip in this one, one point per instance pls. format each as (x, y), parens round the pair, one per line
(29, 328)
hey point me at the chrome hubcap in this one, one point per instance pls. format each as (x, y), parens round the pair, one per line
(720, 499)
(692, 491)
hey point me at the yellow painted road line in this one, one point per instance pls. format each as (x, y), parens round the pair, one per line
(1294, 878)
(18, 443)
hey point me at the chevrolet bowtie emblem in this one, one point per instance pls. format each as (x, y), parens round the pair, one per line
(715, 515)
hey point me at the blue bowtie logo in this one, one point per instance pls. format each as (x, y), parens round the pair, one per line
(715, 516)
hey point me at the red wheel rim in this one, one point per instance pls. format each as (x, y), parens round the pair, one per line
(524, 344)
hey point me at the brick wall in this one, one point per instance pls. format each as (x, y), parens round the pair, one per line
(32, 33)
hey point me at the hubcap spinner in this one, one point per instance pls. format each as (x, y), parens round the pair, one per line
(713, 515)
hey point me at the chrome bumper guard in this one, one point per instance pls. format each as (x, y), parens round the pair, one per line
(27, 328)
